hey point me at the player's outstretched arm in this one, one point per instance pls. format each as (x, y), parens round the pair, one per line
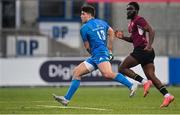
(120, 35)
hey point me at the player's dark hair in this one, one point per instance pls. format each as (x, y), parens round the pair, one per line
(88, 9)
(135, 4)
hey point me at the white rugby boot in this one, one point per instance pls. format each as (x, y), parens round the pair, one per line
(133, 89)
(61, 99)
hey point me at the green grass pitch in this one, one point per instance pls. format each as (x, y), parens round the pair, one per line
(87, 100)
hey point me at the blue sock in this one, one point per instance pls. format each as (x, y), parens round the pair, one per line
(122, 79)
(72, 89)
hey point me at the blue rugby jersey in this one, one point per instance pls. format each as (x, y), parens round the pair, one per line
(95, 32)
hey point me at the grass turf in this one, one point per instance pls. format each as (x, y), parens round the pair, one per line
(87, 100)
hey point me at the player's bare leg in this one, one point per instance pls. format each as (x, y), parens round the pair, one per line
(80, 70)
(149, 71)
(106, 70)
(129, 62)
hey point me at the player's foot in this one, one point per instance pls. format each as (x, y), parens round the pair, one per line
(61, 99)
(147, 86)
(133, 90)
(167, 100)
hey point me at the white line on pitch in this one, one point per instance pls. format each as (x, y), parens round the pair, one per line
(71, 107)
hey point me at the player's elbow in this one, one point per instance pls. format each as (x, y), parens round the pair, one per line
(151, 32)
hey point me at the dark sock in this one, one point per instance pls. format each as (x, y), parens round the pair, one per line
(163, 90)
(138, 78)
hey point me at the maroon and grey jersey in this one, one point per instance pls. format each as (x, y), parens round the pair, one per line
(138, 35)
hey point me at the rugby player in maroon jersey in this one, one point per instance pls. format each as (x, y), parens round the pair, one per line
(143, 53)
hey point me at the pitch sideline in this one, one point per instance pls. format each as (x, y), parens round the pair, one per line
(73, 107)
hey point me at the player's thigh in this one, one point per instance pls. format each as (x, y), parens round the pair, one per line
(80, 70)
(129, 62)
(106, 69)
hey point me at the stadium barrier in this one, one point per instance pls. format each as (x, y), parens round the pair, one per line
(58, 71)
(174, 74)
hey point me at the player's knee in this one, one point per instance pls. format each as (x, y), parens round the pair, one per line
(121, 69)
(150, 75)
(76, 74)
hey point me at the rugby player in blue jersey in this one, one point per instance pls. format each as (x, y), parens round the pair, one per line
(97, 37)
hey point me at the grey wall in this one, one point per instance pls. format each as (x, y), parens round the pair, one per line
(163, 17)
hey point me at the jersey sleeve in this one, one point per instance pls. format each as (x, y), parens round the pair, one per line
(142, 22)
(83, 33)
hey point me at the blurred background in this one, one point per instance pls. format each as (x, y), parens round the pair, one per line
(40, 41)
